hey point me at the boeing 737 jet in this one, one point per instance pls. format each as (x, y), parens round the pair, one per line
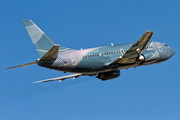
(103, 62)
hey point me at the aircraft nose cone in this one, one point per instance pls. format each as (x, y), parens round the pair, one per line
(172, 52)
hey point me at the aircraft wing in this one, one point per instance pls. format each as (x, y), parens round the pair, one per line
(131, 55)
(61, 78)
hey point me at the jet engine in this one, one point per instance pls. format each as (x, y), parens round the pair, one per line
(149, 56)
(108, 75)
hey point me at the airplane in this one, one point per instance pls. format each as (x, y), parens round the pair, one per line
(103, 62)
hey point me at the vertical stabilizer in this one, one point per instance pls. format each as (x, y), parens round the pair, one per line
(40, 40)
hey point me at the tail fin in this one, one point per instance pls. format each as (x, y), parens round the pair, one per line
(40, 40)
(45, 47)
(38, 37)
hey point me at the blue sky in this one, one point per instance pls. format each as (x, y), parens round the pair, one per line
(145, 93)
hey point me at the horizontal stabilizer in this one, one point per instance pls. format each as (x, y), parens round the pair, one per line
(22, 65)
(52, 54)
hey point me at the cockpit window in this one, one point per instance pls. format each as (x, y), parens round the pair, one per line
(165, 45)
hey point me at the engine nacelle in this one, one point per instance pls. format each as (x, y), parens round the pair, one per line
(149, 56)
(108, 75)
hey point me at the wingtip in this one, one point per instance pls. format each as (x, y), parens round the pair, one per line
(150, 31)
(37, 81)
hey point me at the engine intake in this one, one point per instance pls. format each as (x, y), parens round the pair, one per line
(108, 75)
(149, 56)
